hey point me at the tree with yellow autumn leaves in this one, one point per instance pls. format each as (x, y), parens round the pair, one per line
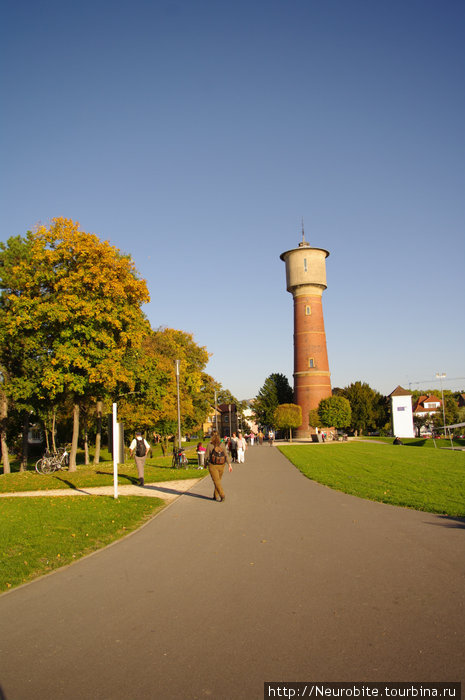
(72, 330)
(156, 384)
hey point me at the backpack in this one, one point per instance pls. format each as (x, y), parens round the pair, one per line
(141, 449)
(217, 457)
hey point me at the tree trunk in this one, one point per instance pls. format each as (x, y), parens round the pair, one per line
(164, 445)
(86, 448)
(74, 443)
(54, 420)
(25, 450)
(3, 441)
(86, 441)
(98, 437)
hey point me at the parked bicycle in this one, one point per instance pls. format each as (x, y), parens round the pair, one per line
(53, 461)
(179, 459)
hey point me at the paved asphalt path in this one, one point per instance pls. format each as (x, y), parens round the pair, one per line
(285, 581)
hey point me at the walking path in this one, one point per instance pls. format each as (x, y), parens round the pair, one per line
(286, 580)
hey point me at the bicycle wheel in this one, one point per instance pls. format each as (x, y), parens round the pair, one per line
(45, 466)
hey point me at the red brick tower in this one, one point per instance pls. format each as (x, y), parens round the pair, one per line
(306, 281)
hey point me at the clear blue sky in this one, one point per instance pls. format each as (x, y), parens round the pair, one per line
(195, 135)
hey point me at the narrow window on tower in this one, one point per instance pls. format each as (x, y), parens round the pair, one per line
(311, 363)
(308, 310)
(305, 264)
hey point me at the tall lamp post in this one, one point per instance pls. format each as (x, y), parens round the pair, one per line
(216, 410)
(178, 362)
(441, 377)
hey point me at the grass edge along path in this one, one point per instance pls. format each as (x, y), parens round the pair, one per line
(41, 535)
(427, 480)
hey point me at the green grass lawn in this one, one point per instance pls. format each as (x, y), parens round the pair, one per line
(40, 534)
(425, 479)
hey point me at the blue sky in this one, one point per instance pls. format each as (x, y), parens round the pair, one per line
(196, 135)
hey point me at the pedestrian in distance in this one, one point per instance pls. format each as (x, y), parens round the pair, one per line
(201, 455)
(241, 448)
(139, 448)
(270, 438)
(216, 457)
(233, 447)
(260, 438)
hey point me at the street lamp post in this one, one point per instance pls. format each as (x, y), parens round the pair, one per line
(216, 410)
(441, 377)
(177, 362)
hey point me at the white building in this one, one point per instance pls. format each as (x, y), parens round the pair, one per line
(402, 414)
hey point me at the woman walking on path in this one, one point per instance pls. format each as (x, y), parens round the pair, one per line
(216, 456)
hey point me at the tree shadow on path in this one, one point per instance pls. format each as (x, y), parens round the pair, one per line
(449, 521)
(71, 486)
(175, 492)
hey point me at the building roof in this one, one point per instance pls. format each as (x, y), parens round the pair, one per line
(224, 407)
(432, 399)
(420, 404)
(400, 391)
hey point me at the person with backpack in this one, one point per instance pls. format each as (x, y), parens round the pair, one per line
(216, 457)
(139, 448)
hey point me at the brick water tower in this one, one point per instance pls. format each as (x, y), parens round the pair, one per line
(306, 281)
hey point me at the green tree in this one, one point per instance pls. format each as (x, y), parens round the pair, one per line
(369, 408)
(284, 390)
(275, 391)
(335, 412)
(419, 421)
(314, 419)
(288, 416)
(461, 418)
(451, 411)
(225, 396)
